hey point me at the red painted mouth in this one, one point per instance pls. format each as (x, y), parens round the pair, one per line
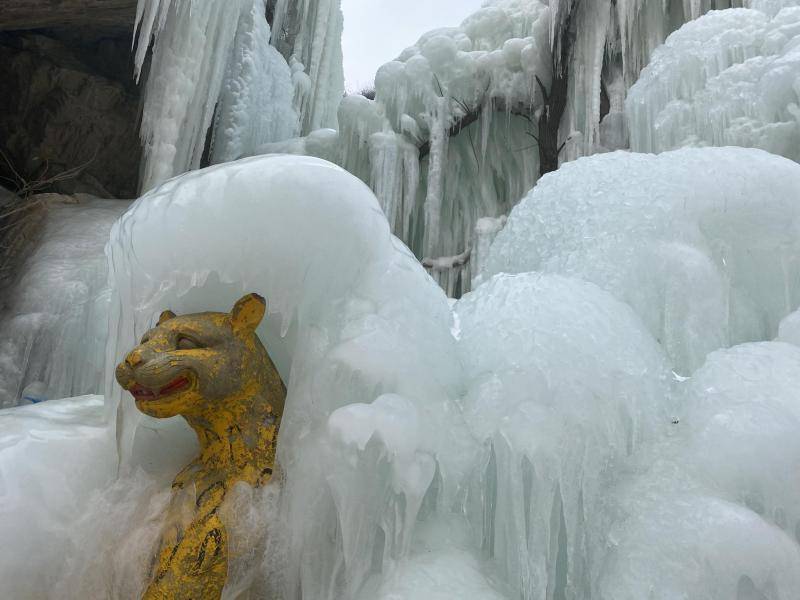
(140, 392)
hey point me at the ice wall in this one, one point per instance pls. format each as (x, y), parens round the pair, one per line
(702, 243)
(53, 323)
(563, 384)
(205, 53)
(728, 78)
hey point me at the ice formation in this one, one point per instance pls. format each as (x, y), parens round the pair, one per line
(310, 33)
(53, 324)
(253, 109)
(450, 138)
(529, 442)
(702, 243)
(731, 77)
(434, 182)
(207, 56)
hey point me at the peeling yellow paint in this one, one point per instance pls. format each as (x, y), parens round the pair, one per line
(211, 369)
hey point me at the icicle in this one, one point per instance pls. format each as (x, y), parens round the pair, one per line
(313, 31)
(435, 191)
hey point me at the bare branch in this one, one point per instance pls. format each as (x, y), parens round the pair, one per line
(448, 263)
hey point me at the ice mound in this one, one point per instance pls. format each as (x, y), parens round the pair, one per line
(53, 326)
(52, 456)
(563, 383)
(728, 78)
(726, 474)
(702, 243)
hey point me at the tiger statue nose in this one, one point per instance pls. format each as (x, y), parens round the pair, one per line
(134, 358)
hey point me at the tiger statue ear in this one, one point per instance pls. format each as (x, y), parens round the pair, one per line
(165, 316)
(247, 313)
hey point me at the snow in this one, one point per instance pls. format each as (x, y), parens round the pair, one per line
(205, 53)
(526, 441)
(702, 243)
(53, 324)
(728, 78)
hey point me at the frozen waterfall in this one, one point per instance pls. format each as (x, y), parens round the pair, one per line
(210, 57)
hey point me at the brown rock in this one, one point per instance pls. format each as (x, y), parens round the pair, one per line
(69, 100)
(38, 14)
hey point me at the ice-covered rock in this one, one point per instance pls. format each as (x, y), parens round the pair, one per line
(53, 326)
(702, 243)
(728, 78)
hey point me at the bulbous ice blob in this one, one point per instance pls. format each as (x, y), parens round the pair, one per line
(702, 243)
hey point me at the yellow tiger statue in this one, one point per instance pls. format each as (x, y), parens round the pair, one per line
(211, 369)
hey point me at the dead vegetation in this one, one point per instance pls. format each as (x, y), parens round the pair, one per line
(22, 210)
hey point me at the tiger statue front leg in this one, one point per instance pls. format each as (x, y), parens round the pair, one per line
(192, 560)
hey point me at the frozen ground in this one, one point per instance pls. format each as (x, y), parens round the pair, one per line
(529, 442)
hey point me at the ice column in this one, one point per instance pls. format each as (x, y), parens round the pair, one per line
(312, 29)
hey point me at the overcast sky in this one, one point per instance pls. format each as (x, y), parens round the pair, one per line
(377, 31)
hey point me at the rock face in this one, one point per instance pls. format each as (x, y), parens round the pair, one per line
(36, 14)
(69, 99)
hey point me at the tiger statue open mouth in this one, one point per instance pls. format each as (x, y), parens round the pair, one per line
(211, 369)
